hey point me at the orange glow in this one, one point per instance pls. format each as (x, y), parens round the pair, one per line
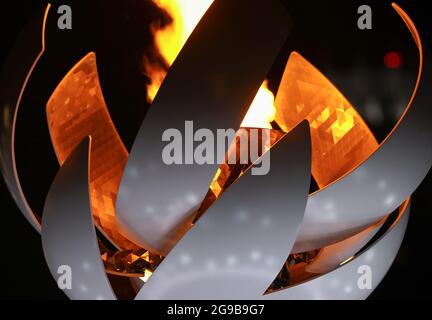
(147, 275)
(76, 110)
(341, 140)
(262, 111)
(185, 15)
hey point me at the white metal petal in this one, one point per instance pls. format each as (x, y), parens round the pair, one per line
(343, 283)
(68, 232)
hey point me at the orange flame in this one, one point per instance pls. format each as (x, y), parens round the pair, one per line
(262, 111)
(185, 15)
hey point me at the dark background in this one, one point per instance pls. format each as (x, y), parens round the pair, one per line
(325, 32)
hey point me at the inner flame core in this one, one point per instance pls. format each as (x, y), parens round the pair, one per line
(169, 40)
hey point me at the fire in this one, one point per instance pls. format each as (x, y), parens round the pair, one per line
(262, 111)
(185, 15)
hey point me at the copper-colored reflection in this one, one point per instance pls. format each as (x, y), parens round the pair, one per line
(341, 140)
(76, 110)
(129, 263)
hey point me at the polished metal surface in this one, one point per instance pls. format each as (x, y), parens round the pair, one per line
(333, 255)
(343, 283)
(68, 231)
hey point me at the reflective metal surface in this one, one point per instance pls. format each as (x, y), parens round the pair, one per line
(68, 231)
(343, 283)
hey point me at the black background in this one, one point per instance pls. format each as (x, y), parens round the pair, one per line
(325, 33)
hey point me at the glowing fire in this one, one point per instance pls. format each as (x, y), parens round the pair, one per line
(340, 138)
(262, 110)
(185, 15)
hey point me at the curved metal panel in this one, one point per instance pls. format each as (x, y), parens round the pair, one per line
(343, 282)
(383, 182)
(68, 232)
(15, 74)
